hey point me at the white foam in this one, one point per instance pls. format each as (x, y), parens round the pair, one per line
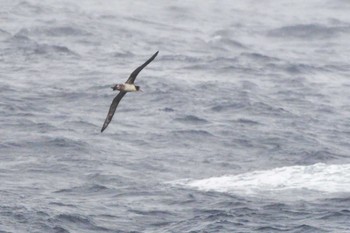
(317, 178)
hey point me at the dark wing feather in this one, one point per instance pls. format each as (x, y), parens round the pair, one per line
(134, 74)
(112, 109)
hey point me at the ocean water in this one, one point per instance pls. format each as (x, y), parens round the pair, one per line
(243, 124)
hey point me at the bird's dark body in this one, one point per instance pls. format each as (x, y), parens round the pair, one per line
(128, 86)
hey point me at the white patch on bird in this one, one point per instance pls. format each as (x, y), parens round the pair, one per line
(129, 87)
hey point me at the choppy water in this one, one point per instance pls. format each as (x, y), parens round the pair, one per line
(243, 125)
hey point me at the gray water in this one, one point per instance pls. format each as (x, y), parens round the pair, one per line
(242, 126)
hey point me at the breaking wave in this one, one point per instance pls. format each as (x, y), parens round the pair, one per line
(313, 179)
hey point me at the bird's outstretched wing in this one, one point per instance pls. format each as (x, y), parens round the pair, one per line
(112, 109)
(134, 74)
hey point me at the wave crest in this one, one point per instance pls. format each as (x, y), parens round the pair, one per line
(313, 179)
(307, 31)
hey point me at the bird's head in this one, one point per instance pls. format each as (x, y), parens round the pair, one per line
(118, 87)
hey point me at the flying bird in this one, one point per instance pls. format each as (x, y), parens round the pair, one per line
(128, 86)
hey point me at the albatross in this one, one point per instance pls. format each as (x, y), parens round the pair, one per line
(123, 88)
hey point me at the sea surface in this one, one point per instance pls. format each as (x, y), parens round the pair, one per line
(243, 124)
